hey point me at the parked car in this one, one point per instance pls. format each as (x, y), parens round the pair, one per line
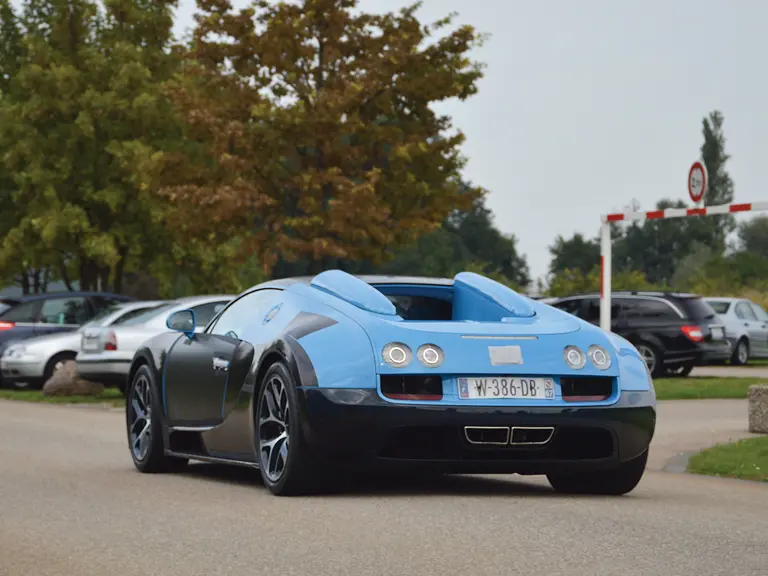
(31, 362)
(308, 379)
(672, 331)
(53, 312)
(746, 327)
(106, 352)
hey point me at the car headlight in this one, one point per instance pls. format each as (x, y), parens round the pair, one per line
(397, 354)
(599, 357)
(15, 351)
(430, 355)
(574, 357)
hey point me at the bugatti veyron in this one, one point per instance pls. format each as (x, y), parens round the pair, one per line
(307, 378)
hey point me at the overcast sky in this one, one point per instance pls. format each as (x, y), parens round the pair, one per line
(587, 105)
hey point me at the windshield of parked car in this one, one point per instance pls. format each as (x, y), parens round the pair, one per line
(720, 307)
(149, 314)
(760, 311)
(99, 318)
(698, 309)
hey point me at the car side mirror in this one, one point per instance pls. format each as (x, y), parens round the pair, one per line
(182, 321)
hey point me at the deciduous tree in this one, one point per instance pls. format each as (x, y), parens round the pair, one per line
(317, 137)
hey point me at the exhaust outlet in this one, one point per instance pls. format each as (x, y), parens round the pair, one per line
(496, 435)
(531, 435)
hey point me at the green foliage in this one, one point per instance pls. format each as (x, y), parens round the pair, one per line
(467, 240)
(317, 131)
(568, 282)
(576, 253)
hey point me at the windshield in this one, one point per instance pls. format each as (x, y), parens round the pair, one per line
(719, 307)
(96, 320)
(698, 309)
(148, 314)
(760, 311)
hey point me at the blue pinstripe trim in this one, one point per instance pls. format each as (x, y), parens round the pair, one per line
(224, 398)
(165, 367)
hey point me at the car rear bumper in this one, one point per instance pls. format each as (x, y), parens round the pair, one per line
(715, 351)
(105, 371)
(358, 427)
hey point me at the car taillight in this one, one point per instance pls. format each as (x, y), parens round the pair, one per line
(111, 341)
(7, 325)
(693, 333)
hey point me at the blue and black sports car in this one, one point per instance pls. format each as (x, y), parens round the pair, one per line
(308, 379)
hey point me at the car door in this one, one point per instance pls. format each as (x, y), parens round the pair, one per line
(63, 314)
(753, 326)
(202, 371)
(762, 319)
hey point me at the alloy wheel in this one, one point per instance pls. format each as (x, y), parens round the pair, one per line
(141, 418)
(273, 428)
(743, 353)
(648, 356)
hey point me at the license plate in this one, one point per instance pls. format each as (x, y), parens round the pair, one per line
(506, 387)
(90, 344)
(718, 334)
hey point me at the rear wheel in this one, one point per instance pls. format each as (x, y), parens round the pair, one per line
(287, 466)
(621, 480)
(651, 357)
(740, 353)
(145, 434)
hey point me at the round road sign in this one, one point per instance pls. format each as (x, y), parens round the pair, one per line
(697, 181)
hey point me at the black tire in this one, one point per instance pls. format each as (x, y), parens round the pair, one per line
(144, 390)
(616, 482)
(300, 472)
(740, 356)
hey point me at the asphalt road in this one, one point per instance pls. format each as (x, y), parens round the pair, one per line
(71, 504)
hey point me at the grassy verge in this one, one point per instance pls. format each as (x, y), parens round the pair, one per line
(745, 459)
(695, 388)
(111, 396)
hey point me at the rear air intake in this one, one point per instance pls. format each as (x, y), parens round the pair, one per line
(586, 388)
(412, 387)
(498, 435)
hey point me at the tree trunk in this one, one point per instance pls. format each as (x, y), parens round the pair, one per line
(120, 270)
(24, 282)
(64, 275)
(36, 280)
(89, 273)
(103, 279)
(46, 279)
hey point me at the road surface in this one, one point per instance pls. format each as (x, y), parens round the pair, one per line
(71, 504)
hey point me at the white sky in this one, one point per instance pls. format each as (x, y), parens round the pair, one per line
(587, 105)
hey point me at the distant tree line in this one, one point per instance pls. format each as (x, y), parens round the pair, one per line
(280, 139)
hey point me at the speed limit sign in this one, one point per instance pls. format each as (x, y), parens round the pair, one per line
(697, 181)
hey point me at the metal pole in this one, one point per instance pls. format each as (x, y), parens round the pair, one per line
(605, 276)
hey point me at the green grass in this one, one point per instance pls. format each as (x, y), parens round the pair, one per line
(696, 388)
(745, 459)
(111, 396)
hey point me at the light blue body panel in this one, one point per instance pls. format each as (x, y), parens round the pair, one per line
(348, 354)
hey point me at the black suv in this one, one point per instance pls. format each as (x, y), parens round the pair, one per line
(673, 332)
